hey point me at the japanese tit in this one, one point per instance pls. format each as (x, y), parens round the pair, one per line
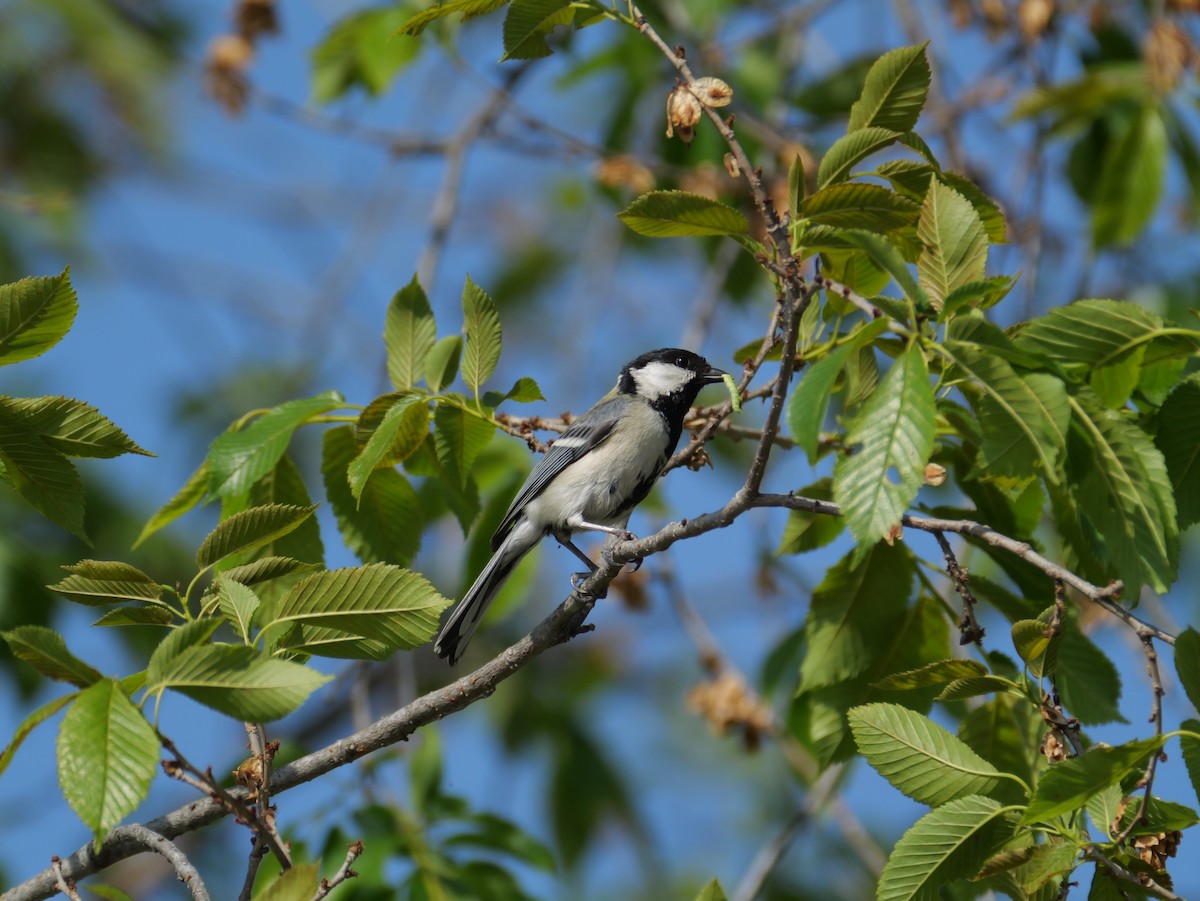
(592, 477)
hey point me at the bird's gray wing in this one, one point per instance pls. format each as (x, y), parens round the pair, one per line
(590, 430)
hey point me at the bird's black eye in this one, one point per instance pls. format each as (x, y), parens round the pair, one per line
(681, 362)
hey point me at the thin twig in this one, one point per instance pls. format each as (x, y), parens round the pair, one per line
(344, 872)
(970, 632)
(1156, 695)
(184, 870)
(66, 886)
(1143, 881)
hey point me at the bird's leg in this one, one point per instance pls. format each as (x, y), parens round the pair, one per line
(565, 541)
(622, 533)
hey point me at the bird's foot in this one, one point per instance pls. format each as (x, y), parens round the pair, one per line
(578, 579)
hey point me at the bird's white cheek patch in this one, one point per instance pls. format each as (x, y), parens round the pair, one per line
(660, 379)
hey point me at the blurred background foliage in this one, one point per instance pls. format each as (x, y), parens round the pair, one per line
(241, 187)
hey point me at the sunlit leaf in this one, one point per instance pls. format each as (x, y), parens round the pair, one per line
(840, 159)
(409, 333)
(72, 427)
(894, 91)
(527, 24)
(98, 582)
(1179, 440)
(859, 205)
(46, 651)
(184, 500)
(465, 9)
(666, 214)
(40, 474)
(937, 673)
(1068, 785)
(35, 314)
(441, 364)
(955, 246)
(250, 529)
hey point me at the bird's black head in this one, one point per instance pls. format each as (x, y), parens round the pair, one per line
(669, 378)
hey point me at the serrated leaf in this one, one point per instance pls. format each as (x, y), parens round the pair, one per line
(1023, 420)
(481, 327)
(459, 437)
(107, 755)
(1097, 332)
(72, 427)
(806, 531)
(1190, 746)
(237, 603)
(250, 529)
(954, 243)
(524, 391)
(809, 402)
(848, 150)
(1087, 680)
(238, 681)
(189, 635)
(984, 293)
(31, 722)
(974, 686)
(265, 569)
(383, 524)
(797, 186)
(409, 333)
(668, 214)
(859, 205)
(919, 757)
(1003, 730)
(239, 458)
(712, 892)
(528, 22)
(841, 630)
(40, 474)
(283, 485)
(98, 582)
(894, 91)
(46, 651)
(894, 436)
(885, 255)
(395, 438)
(1124, 489)
(947, 844)
(358, 51)
(1179, 440)
(298, 883)
(467, 9)
(379, 602)
(937, 673)
(136, 616)
(1035, 647)
(184, 500)
(35, 314)
(1187, 663)
(1068, 785)
(441, 365)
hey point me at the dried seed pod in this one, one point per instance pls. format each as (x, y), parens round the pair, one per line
(1168, 51)
(624, 172)
(683, 112)
(731, 165)
(712, 91)
(228, 57)
(256, 17)
(935, 474)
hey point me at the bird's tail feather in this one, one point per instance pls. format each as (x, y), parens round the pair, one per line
(461, 625)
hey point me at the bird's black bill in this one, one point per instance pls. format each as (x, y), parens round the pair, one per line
(712, 375)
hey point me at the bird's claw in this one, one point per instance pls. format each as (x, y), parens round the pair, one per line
(635, 564)
(578, 579)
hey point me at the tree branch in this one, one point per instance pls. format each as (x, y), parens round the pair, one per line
(184, 870)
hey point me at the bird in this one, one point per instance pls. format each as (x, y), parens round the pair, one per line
(591, 477)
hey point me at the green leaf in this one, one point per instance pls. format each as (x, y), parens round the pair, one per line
(284, 485)
(40, 474)
(1005, 731)
(396, 437)
(466, 9)
(297, 883)
(46, 651)
(136, 616)
(954, 243)
(1179, 440)
(859, 205)
(805, 531)
(498, 835)
(184, 500)
(1023, 420)
(1190, 746)
(1098, 332)
(974, 686)
(524, 391)
(949, 843)
(797, 186)
(99, 582)
(528, 22)
(841, 630)
(459, 436)
(409, 333)
(919, 757)
(848, 150)
(405, 428)
(72, 427)
(1131, 180)
(809, 402)
(359, 52)
(1087, 680)
(1124, 489)
(187, 636)
(239, 458)
(1187, 663)
(894, 435)
(1035, 647)
(35, 314)
(384, 603)
(238, 681)
(441, 365)
(481, 326)
(265, 569)
(31, 722)
(669, 214)
(107, 755)
(1068, 785)
(712, 892)
(894, 91)
(937, 673)
(237, 603)
(885, 255)
(383, 523)
(250, 529)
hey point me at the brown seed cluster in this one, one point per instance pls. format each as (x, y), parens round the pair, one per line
(229, 55)
(1155, 849)
(686, 102)
(727, 703)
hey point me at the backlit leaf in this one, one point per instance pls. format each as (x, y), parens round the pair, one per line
(72, 427)
(839, 160)
(409, 333)
(1068, 785)
(665, 214)
(46, 651)
(35, 314)
(527, 24)
(894, 91)
(98, 582)
(481, 326)
(954, 251)
(250, 529)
